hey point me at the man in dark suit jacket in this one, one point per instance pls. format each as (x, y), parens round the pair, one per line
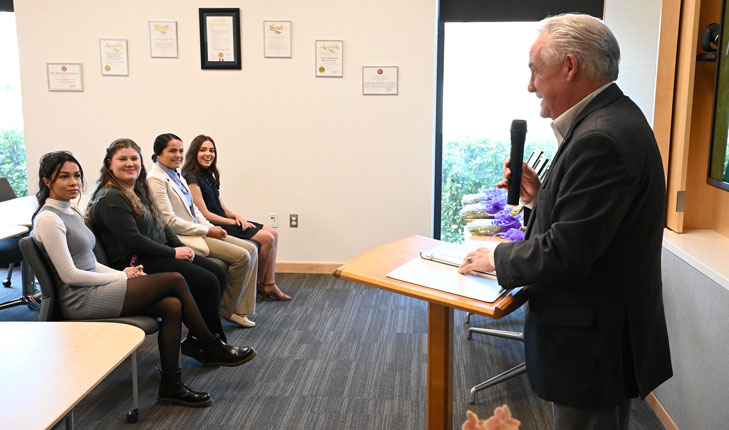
(595, 332)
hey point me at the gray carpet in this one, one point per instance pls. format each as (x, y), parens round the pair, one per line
(338, 356)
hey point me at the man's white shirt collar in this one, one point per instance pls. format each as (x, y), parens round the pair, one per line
(562, 124)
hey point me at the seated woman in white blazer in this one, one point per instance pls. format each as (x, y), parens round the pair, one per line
(179, 212)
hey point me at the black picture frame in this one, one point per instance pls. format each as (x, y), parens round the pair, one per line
(205, 63)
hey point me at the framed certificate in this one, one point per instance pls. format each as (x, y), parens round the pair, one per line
(163, 39)
(329, 55)
(277, 39)
(114, 59)
(379, 80)
(220, 38)
(65, 76)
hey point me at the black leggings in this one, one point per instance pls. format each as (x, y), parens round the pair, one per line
(166, 295)
(206, 280)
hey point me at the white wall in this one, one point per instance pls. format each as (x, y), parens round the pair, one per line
(636, 25)
(357, 170)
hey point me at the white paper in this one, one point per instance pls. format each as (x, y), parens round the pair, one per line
(65, 77)
(277, 39)
(220, 37)
(329, 55)
(163, 39)
(446, 278)
(114, 57)
(379, 80)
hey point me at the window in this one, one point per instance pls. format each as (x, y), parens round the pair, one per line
(484, 89)
(12, 143)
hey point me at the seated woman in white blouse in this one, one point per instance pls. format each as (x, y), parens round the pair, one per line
(93, 290)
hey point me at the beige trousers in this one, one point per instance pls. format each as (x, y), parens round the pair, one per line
(242, 259)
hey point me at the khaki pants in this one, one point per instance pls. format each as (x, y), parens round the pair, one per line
(242, 259)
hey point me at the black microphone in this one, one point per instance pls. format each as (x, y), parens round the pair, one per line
(518, 134)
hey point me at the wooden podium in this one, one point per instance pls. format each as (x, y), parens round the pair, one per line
(371, 269)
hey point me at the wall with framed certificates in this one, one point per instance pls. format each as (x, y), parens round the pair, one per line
(293, 130)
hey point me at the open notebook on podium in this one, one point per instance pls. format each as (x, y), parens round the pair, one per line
(438, 269)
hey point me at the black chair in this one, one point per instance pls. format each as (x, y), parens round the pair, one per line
(501, 377)
(50, 281)
(9, 251)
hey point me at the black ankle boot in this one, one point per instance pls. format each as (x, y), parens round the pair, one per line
(218, 353)
(192, 347)
(173, 392)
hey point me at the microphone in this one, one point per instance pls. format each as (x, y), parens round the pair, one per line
(518, 134)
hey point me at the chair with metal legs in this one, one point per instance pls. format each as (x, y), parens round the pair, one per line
(48, 280)
(501, 377)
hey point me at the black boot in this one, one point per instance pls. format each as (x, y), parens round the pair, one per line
(173, 392)
(218, 353)
(192, 347)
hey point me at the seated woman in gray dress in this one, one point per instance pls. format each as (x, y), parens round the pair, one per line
(92, 290)
(202, 175)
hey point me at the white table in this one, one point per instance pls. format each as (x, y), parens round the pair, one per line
(16, 214)
(10, 230)
(47, 368)
(18, 211)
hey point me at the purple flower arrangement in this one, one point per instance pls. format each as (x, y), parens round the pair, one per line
(483, 205)
(514, 234)
(492, 204)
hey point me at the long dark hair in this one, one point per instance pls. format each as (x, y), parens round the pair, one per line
(50, 167)
(191, 165)
(141, 199)
(160, 143)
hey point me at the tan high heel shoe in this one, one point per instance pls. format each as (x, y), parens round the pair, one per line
(271, 291)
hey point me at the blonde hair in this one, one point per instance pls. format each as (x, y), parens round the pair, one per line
(141, 199)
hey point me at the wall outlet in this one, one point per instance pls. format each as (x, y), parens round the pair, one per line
(294, 220)
(274, 220)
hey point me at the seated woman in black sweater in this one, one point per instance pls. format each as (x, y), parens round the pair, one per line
(130, 230)
(201, 173)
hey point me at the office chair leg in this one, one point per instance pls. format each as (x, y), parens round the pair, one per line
(468, 317)
(69, 420)
(514, 371)
(133, 414)
(498, 333)
(8, 280)
(31, 295)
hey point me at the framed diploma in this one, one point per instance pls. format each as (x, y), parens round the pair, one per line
(163, 39)
(220, 38)
(65, 76)
(329, 54)
(114, 59)
(379, 80)
(277, 39)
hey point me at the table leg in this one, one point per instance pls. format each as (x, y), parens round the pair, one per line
(440, 367)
